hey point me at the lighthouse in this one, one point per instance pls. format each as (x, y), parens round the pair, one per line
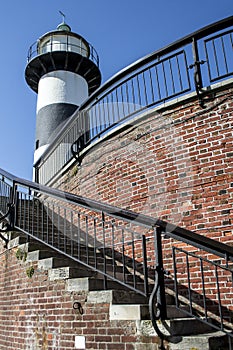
(63, 69)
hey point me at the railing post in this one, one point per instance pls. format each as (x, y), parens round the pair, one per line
(158, 299)
(197, 70)
(161, 298)
(145, 267)
(14, 204)
(36, 173)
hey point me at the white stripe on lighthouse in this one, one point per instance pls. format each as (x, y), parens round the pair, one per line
(61, 87)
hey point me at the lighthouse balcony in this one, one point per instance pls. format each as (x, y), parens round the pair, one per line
(63, 41)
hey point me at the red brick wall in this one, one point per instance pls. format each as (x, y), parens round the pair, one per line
(38, 314)
(175, 164)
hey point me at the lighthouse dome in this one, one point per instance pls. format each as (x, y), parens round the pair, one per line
(64, 27)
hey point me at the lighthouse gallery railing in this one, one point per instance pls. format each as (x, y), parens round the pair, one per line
(188, 65)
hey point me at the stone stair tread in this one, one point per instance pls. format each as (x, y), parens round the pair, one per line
(128, 312)
(16, 242)
(61, 273)
(88, 284)
(51, 262)
(116, 296)
(206, 341)
(189, 326)
(176, 313)
(40, 255)
(32, 246)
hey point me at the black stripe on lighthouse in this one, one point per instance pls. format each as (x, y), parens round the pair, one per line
(50, 120)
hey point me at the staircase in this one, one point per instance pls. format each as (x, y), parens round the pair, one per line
(123, 305)
(117, 257)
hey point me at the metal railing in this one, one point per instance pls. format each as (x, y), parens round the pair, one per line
(136, 251)
(187, 65)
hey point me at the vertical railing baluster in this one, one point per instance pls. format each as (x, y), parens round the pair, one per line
(108, 113)
(215, 56)
(87, 239)
(157, 82)
(164, 79)
(203, 288)
(145, 266)
(42, 219)
(219, 297)
(71, 233)
(118, 110)
(123, 252)
(58, 226)
(189, 284)
(145, 90)
(113, 108)
(151, 86)
(33, 209)
(122, 101)
(28, 209)
(47, 222)
(175, 277)
(127, 97)
(161, 299)
(53, 226)
(133, 94)
(139, 93)
(104, 249)
(172, 76)
(95, 240)
(224, 55)
(64, 229)
(179, 72)
(79, 236)
(134, 260)
(113, 249)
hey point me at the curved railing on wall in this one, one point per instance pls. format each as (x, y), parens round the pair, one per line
(189, 64)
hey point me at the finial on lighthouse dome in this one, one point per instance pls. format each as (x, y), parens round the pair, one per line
(63, 26)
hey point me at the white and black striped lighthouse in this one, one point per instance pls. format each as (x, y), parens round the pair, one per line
(63, 68)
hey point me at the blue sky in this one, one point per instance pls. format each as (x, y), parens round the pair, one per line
(121, 31)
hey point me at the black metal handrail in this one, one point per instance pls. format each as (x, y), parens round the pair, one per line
(74, 225)
(174, 231)
(187, 65)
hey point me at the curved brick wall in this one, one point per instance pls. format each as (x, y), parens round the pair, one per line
(174, 163)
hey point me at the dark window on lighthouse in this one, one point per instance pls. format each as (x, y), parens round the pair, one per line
(37, 144)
